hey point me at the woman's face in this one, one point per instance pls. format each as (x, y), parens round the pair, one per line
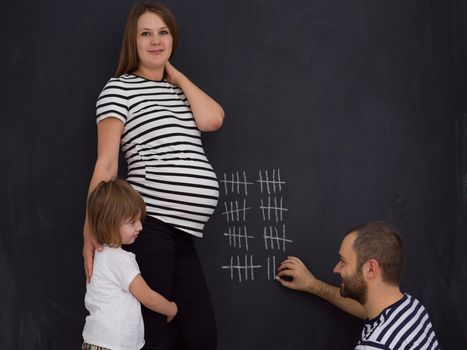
(153, 43)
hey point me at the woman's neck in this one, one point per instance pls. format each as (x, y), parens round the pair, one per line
(150, 74)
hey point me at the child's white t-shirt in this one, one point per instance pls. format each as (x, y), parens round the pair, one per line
(115, 319)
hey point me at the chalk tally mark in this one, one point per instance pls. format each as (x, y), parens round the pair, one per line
(242, 267)
(271, 267)
(234, 212)
(270, 185)
(237, 235)
(236, 184)
(274, 205)
(271, 235)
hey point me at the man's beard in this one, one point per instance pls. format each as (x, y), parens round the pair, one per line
(354, 287)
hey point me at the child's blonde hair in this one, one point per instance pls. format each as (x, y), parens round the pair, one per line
(109, 205)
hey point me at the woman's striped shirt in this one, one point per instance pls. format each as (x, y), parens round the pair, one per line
(402, 326)
(163, 149)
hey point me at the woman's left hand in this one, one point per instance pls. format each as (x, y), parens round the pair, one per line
(173, 75)
(208, 114)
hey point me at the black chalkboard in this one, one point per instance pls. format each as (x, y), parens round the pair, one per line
(336, 113)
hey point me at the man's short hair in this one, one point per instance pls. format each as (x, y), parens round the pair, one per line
(380, 241)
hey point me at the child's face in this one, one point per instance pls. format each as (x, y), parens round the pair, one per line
(130, 229)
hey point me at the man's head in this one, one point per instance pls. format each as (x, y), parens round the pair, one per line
(368, 252)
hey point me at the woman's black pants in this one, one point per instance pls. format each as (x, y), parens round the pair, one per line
(169, 264)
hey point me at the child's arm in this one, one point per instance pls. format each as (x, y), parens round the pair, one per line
(151, 299)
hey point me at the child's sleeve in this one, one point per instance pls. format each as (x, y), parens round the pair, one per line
(123, 269)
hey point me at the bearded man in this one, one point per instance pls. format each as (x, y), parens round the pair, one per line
(370, 265)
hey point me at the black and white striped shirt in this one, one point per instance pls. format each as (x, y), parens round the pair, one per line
(402, 326)
(163, 150)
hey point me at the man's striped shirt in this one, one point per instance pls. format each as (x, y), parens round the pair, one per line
(163, 149)
(402, 326)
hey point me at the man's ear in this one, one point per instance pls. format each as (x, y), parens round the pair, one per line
(371, 269)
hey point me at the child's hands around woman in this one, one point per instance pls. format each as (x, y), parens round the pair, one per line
(171, 317)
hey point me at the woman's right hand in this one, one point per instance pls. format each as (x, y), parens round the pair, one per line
(109, 132)
(89, 246)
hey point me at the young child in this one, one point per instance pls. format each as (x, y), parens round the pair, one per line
(113, 296)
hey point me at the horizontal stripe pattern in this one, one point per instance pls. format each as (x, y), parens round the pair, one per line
(163, 149)
(402, 326)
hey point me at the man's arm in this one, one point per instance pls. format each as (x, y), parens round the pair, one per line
(303, 280)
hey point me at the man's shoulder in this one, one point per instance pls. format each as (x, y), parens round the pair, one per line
(403, 325)
(371, 345)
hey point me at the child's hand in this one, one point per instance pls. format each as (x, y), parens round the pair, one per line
(172, 315)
